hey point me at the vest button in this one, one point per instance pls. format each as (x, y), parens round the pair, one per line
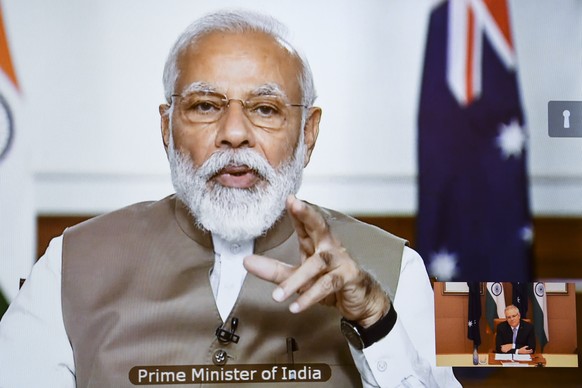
(219, 357)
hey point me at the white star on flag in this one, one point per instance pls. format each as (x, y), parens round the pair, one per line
(511, 139)
(470, 323)
(527, 234)
(443, 265)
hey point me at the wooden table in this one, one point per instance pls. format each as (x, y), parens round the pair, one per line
(488, 360)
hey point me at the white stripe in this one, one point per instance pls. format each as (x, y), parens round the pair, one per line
(499, 300)
(457, 49)
(477, 57)
(541, 301)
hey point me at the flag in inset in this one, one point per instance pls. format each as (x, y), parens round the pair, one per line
(474, 313)
(540, 313)
(494, 303)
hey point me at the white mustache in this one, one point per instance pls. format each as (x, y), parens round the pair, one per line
(222, 159)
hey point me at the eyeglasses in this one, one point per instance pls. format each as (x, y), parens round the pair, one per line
(266, 111)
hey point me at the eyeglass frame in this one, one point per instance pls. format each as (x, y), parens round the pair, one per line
(226, 100)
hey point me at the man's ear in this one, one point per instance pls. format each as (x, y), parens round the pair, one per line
(311, 131)
(165, 125)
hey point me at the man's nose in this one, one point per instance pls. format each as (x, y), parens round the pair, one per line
(234, 128)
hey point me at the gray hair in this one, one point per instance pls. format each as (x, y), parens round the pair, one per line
(236, 22)
(511, 307)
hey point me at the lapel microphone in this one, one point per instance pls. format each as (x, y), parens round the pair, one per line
(226, 336)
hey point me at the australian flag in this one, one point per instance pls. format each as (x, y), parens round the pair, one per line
(474, 314)
(473, 220)
(519, 296)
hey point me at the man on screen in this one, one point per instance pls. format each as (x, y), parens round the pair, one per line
(165, 283)
(515, 335)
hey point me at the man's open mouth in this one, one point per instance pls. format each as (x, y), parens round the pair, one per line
(242, 176)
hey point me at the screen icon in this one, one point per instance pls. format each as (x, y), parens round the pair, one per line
(565, 118)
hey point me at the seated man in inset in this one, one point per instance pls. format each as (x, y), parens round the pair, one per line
(515, 335)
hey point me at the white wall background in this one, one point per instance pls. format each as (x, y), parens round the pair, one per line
(91, 70)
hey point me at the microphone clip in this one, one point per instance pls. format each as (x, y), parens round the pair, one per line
(226, 336)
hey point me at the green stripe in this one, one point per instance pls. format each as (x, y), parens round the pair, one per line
(3, 305)
(538, 318)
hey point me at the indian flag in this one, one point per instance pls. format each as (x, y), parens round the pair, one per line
(540, 313)
(17, 217)
(494, 302)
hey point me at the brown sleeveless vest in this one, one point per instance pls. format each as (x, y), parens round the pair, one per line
(136, 291)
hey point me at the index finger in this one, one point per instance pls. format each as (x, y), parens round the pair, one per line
(268, 269)
(311, 227)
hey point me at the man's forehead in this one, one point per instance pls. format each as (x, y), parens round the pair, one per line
(243, 61)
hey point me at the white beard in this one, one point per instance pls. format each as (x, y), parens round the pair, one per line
(236, 214)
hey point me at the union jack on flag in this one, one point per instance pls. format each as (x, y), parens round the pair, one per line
(473, 220)
(470, 21)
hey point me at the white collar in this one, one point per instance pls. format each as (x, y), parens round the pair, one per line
(231, 248)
